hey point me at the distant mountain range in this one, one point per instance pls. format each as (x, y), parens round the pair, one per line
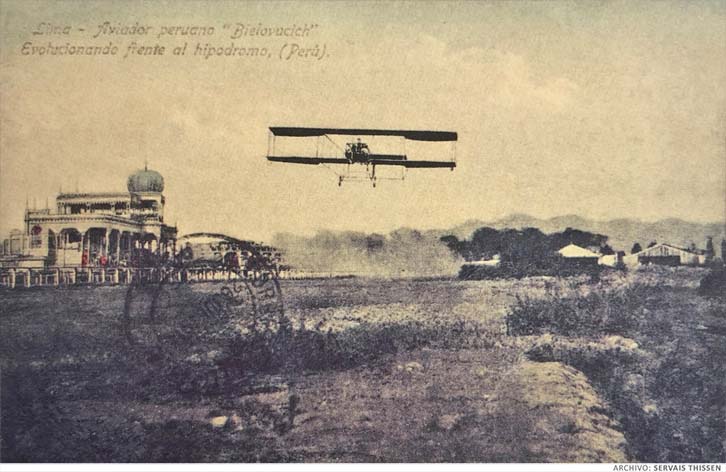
(622, 233)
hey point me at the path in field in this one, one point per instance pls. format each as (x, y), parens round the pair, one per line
(444, 406)
(483, 405)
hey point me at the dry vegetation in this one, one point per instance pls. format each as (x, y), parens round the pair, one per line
(370, 370)
(653, 348)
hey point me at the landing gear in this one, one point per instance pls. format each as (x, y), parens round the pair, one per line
(373, 176)
(340, 180)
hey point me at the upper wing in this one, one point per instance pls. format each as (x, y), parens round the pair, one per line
(415, 164)
(408, 134)
(308, 160)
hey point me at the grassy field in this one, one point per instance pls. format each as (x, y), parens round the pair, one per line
(360, 370)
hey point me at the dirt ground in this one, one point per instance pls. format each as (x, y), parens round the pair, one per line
(457, 390)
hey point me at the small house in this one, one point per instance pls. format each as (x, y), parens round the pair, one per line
(665, 254)
(580, 257)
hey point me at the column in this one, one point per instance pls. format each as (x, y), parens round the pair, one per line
(106, 242)
(84, 237)
(118, 247)
(64, 237)
(58, 239)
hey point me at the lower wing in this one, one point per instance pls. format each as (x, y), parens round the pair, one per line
(382, 160)
(414, 164)
(308, 160)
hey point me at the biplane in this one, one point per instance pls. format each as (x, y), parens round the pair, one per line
(358, 152)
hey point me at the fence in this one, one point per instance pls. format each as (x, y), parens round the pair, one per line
(55, 276)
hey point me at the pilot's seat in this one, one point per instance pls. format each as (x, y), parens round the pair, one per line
(357, 152)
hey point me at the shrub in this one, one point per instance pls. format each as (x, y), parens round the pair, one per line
(668, 393)
(714, 283)
(554, 266)
(306, 349)
(593, 314)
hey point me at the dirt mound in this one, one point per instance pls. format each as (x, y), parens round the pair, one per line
(465, 406)
(568, 419)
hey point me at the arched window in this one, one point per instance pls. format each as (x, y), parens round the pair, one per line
(35, 237)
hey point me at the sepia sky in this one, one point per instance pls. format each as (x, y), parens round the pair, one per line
(602, 109)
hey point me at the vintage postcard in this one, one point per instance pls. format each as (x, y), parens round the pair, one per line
(363, 232)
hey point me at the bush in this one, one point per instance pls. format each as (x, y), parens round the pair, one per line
(667, 391)
(714, 283)
(594, 314)
(317, 350)
(553, 267)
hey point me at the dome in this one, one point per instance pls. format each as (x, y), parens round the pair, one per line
(146, 181)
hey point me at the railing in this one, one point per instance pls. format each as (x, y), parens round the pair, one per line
(56, 276)
(67, 276)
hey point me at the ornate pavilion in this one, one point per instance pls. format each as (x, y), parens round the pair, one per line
(95, 229)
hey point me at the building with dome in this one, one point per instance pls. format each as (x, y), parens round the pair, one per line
(95, 229)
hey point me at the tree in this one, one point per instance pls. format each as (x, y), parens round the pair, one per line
(527, 249)
(460, 248)
(486, 242)
(577, 237)
(606, 250)
(710, 252)
(636, 248)
(652, 243)
(374, 242)
(452, 242)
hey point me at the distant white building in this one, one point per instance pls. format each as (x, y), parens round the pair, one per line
(493, 262)
(575, 251)
(610, 260)
(94, 229)
(665, 254)
(579, 257)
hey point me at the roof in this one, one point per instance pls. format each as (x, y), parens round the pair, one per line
(664, 247)
(145, 180)
(573, 250)
(63, 196)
